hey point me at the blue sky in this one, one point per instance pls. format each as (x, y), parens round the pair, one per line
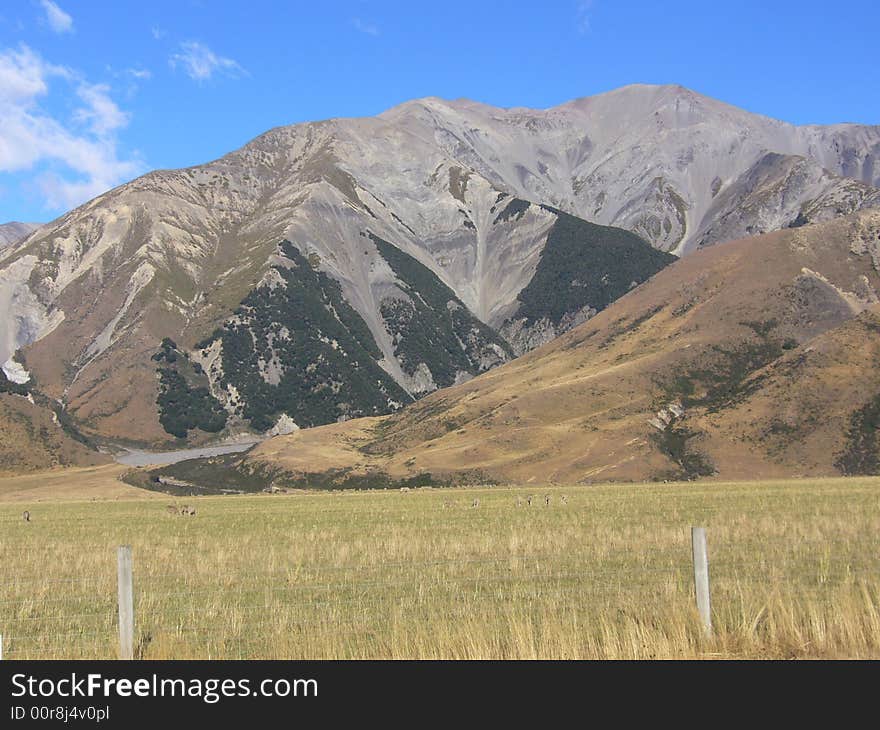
(93, 93)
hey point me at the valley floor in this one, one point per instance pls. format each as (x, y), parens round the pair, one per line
(70, 484)
(599, 572)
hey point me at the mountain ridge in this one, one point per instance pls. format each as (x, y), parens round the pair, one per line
(467, 192)
(755, 359)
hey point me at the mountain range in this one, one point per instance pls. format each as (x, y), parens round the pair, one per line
(340, 269)
(756, 359)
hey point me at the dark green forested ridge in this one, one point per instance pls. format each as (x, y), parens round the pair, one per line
(318, 351)
(432, 325)
(185, 400)
(585, 264)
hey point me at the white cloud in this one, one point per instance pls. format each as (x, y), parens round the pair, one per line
(58, 20)
(23, 75)
(101, 113)
(158, 33)
(73, 160)
(201, 63)
(365, 27)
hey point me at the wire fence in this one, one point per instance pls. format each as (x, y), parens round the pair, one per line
(217, 608)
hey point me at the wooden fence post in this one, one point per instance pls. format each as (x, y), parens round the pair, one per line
(701, 576)
(126, 603)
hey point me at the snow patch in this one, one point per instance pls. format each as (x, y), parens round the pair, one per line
(16, 372)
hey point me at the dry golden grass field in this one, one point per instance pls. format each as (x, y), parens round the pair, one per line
(603, 573)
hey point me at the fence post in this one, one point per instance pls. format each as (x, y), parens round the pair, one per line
(126, 602)
(701, 576)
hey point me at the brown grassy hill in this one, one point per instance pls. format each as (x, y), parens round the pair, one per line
(32, 440)
(755, 358)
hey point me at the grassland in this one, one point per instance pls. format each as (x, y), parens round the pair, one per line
(75, 484)
(794, 565)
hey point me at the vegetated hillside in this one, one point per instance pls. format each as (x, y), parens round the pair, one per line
(583, 268)
(296, 347)
(33, 437)
(300, 349)
(813, 410)
(756, 358)
(484, 207)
